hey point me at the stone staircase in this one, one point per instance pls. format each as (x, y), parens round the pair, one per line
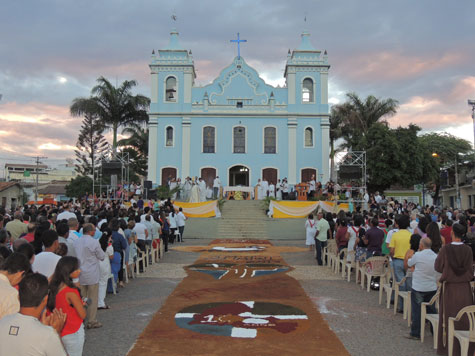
(242, 219)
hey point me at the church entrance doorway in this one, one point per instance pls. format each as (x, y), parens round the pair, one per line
(239, 175)
(306, 175)
(270, 175)
(168, 174)
(208, 175)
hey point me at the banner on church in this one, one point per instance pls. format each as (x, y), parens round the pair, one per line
(286, 209)
(207, 209)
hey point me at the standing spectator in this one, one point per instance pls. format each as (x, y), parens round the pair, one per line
(17, 227)
(63, 232)
(342, 235)
(64, 295)
(23, 333)
(89, 253)
(455, 263)
(446, 230)
(165, 230)
(321, 236)
(424, 283)
(30, 236)
(45, 262)
(180, 222)
(172, 222)
(433, 233)
(105, 268)
(373, 239)
(142, 233)
(66, 214)
(120, 245)
(12, 272)
(73, 225)
(400, 243)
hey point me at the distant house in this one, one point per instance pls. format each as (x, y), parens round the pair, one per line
(55, 190)
(10, 195)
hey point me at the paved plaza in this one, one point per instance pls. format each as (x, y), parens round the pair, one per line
(363, 326)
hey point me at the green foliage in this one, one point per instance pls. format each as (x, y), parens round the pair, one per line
(91, 144)
(79, 186)
(220, 203)
(114, 106)
(164, 192)
(266, 202)
(137, 147)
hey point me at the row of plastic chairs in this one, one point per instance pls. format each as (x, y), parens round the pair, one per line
(380, 267)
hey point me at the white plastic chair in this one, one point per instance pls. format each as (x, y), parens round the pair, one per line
(465, 337)
(373, 267)
(388, 286)
(433, 318)
(406, 298)
(341, 261)
(349, 265)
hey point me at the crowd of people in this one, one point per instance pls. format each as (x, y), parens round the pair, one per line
(56, 265)
(429, 250)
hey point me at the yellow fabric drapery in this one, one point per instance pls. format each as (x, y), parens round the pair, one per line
(205, 209)
(301, 209)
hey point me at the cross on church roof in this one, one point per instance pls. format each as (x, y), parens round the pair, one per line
(238, 41)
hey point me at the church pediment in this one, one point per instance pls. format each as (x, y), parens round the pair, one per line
(239, 83)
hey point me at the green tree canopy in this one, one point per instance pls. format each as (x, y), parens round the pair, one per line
(78, 187)
(114, 106)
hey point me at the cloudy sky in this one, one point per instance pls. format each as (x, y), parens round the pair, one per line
(52, 51)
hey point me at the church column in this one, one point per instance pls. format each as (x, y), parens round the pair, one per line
(185, 148)
(324, 87)
(325, 127)
(291, 85)
(152, 149)
(292, 129)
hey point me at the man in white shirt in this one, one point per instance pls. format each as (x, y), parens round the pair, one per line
(66, 214)
(141, 232)
(311, 186)
(11, 274)
(180, 222)
(46, 261)
(23, 333)
(285, 189)
(89, 253)
(216, 186)
(377, 198)
(73, 224)
(424, 283)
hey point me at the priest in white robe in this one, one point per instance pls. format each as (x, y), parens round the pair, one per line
(195, 193)
(202, 186)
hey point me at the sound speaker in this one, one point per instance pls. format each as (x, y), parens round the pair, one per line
(350, 172)
(147, 184)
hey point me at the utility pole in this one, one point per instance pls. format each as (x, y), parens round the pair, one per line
(457, 189)
(472, 104)
(37, 158)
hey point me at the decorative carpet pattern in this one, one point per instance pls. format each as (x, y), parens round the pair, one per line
(238, 299)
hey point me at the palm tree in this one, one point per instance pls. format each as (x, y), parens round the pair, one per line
(114, 106)
(136, 144)
(360, 115)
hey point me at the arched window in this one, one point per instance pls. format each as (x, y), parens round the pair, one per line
(169, 138)
(307, 90)
(239, 139)
(208, 139)
(170, 91)
(270, 139)
(308, 137)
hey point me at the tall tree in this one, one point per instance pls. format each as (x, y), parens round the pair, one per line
(360, 115)
(114, 106)
(91, 144)
(136, 144)
(337, 117)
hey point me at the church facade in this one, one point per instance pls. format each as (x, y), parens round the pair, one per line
(238, 127)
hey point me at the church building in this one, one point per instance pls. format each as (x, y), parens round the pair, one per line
(238, 127)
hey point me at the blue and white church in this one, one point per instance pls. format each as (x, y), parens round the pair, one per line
(238, 127)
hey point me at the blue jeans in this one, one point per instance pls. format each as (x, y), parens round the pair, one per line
(320, 245)
(399, 273)
(417, 298)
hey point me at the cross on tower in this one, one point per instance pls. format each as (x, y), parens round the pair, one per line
(238, 41)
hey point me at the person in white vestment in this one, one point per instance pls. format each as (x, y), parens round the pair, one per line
(173, 185)
(271, 190)
(311, 188)
(311, 230)
(187, 189)
(216, 186)
(278, 190)
(260, 194)
(195, 193)
(202, 186)
(265, 188)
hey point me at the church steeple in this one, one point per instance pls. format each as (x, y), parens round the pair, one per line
(174, 43)
(305, 44)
